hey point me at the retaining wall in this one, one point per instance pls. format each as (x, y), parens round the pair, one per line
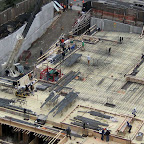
(20, 8)
(109, 25)
(39, 26)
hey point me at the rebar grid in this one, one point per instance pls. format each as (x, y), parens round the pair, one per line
(111, 68)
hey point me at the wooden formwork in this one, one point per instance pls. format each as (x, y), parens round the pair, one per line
(123, 125)
(90, 38)
(37, 130)
(105, 112)
(113, 137)
(135, 79)
(95, 39)
(63, 125)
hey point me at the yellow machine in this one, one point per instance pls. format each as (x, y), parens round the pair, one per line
(22, 93)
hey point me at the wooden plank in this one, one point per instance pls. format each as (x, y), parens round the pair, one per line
(135, 79)
(124, 124)
(137, 130)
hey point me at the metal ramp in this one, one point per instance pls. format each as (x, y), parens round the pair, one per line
(82, 23)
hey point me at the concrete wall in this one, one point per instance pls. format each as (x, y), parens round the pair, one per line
(39, 26)
(20, 8)
(109, 25)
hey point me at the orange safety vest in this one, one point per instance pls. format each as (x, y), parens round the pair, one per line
(62, 40)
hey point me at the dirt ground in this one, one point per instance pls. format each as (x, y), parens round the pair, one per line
(63, 25)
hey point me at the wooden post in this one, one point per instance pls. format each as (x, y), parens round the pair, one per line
(0, 130)
(25, 138)
(19, 135)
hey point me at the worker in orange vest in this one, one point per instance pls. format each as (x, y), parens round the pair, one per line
(64, 8)
(62, 40)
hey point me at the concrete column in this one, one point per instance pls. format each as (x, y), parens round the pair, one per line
(16, 136)
(25, 138)
(19, 136)
(36, 140)
(0, 130)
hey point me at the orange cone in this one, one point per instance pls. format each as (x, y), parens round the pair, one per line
(74, 0)
(83, 1)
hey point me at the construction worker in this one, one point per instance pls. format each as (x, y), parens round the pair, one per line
(79, 13)
(25, 117)
(32, 89)
(62, 40)
(68, 132)
(84, 126)
(134, 112)
(54, 92)
(102, 134)
(73, 47)
(41, 52)
(83, 10)
(107, 135)
(56, 44)
(64, 8)
(26, 88)
(109, 50)
(7, 72)
(71, 5)
(88, 58)
(85, 132)
(56, 76)
(130, 127)
(69, 48)
(30, 75)
(48, 75)
(82, 45)
(62, 4)
(142, 57)
(63, 54)
(62, 45)
(120, 40)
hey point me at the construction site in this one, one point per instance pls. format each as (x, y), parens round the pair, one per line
(70, 75)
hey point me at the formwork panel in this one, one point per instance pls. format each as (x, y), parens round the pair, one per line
(140, 16)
